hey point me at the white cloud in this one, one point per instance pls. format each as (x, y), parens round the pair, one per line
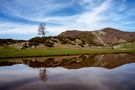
(10, 28)
(29, 9)
(22, 29)
(94, 16)
(97, 14)
(85, 21)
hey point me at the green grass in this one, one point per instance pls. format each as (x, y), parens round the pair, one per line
(129, 45)
(8, 52)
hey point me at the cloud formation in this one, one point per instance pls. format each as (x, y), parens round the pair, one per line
(22, 17)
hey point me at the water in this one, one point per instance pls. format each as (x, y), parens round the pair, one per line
(82, 72)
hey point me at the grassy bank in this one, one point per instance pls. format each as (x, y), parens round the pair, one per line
(8, 52)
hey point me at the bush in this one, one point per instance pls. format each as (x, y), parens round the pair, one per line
(38, 40)
(49, 44)
(9, 41)
(41, 40)
(65, 40)
(82, 43)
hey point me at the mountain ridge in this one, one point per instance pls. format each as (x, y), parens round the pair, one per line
(104, 37)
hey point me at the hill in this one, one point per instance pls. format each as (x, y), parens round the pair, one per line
(104, 37)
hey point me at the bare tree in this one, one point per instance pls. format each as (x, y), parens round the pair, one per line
(41, 29)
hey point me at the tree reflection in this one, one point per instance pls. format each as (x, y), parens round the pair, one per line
(42, 74)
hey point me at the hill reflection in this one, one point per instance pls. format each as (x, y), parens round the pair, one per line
(109, 61)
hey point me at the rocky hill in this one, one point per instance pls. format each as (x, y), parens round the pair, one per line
(76, 39)
(104, 37)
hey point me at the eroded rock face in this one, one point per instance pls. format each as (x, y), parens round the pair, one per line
(22, 45)
(26, 45)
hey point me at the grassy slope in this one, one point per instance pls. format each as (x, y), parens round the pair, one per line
(129, 45)
(7, 52)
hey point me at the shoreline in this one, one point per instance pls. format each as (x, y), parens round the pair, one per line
(65, 55)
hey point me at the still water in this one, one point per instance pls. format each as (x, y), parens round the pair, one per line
(81, 72)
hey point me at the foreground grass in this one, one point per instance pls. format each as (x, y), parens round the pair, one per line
(8, 52)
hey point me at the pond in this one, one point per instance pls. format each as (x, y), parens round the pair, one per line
(79, 72)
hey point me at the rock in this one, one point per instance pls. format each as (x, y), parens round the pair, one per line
(24, 45)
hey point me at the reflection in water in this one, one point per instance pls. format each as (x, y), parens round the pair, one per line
(90, 78)
(109, 61)
(42, 74)
(83, 72)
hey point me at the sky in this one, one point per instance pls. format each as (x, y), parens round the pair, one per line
(19, 19)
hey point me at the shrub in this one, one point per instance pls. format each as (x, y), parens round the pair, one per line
(9, 41)
(62, 39)
(82, 43)
(49, 44)
(65, 40)
(38, 40)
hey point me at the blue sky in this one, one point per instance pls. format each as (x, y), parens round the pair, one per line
(19, 19)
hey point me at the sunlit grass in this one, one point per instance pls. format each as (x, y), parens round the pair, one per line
(8, 52)
(129, 45)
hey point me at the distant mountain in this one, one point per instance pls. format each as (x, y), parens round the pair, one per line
(103, 37)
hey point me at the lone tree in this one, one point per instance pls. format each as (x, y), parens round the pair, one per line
(41, 29)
